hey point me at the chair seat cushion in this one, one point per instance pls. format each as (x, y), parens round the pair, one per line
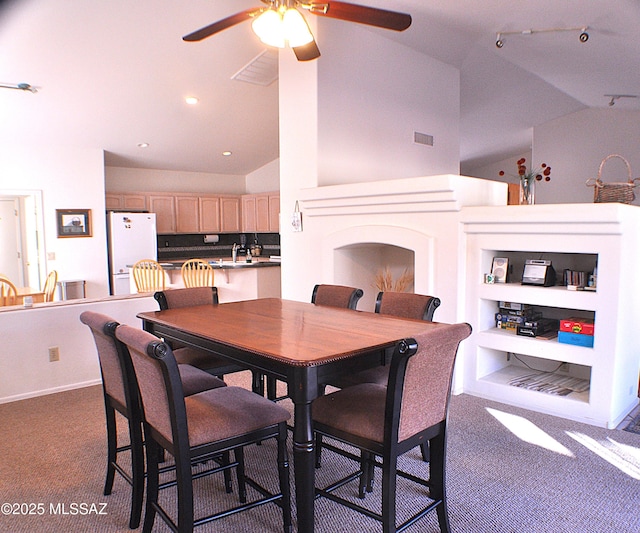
(195, 380)
(227, 412)
(358, 410)
(378, 375)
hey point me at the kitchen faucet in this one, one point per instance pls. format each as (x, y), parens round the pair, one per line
(234, 252)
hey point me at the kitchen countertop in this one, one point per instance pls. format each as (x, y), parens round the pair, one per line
(257, 262)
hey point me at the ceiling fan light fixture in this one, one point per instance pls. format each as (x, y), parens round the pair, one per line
(268, 27)
(295, 28)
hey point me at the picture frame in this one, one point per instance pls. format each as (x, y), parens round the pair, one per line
(73, 222)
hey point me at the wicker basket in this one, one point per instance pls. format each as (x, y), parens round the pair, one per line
(621, 192)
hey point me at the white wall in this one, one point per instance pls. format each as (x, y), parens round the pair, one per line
(69, 178)
(575, 145)
(121, 179)
(27, 335)
(373, 94)
(264, 179)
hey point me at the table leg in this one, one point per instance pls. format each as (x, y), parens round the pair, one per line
(304, 447)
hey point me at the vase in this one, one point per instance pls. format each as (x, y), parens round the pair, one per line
(527, 191)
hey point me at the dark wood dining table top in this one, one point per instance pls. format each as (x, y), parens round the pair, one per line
(291, 332)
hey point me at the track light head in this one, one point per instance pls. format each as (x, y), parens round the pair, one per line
(584, 37)
(499, 41)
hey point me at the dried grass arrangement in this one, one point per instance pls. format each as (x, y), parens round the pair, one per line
(384, 281)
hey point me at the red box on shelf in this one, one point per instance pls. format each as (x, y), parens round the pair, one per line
(583, 326)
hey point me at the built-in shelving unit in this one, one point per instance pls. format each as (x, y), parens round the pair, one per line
(575, 237)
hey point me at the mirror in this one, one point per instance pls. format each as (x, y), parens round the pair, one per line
(22, 250)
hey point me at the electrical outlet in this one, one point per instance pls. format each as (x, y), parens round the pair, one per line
(54, 354)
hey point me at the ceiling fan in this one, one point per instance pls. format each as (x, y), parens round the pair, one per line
(282, 23)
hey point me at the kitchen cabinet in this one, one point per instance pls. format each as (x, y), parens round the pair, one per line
(164, 208)
(274, 213)
(209, 208)
(134, 201)
(261, 213)
(229, 214)
(187, 214)
(249, 213)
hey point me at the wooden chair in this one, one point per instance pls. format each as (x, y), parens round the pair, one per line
(148, 275)
(197, 273)
(8, 292)
(386, 422)
(194, 428)
(121, 396)
(50, 286)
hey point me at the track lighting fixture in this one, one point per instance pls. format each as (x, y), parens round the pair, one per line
(615, 97)
(20, 87)
(584, 36)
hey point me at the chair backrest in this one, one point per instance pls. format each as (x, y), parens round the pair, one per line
(113, 371)
(148, 276)
(8, 292)
(160, 387)
(174, 298)
(420, 377)
(336, 296)
(50, 286)
(407, 305)
(197, 273)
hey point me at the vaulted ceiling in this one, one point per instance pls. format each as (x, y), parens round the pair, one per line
(115, 74)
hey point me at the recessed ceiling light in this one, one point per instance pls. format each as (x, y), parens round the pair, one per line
(191, 100)
(143, 145)
(226, 153)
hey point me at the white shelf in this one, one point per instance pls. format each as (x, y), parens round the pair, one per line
(498, 339)
(503, 376)
(546, 296)
(607, 240)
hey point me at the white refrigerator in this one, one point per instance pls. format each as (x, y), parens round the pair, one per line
(131, 237)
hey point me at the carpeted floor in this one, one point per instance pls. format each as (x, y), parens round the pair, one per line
(509, 471)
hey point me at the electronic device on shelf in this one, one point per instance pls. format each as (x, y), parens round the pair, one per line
(538, 272)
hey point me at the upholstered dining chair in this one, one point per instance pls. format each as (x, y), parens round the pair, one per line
(386, 422)
(8, 292)
(207, 361)
(197, 273)
(121, 396)
(336, 296)
(403, 305)
(148, 275)
(50, 286)
(194, 428)
(332, 296)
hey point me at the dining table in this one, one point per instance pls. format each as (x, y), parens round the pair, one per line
(37, 295)
(300, 343)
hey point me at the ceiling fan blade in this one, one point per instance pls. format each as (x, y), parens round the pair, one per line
(390, 20)
(307, 52)
(223, 24)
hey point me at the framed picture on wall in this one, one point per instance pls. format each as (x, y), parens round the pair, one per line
(74, 222)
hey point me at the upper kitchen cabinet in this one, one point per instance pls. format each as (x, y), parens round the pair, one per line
(134, 201)
(187, 214)
(164, 208)
(229, 214)
(209, 208)
(261, 213)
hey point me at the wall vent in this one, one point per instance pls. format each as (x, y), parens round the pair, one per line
(261, 70)
(422, 138)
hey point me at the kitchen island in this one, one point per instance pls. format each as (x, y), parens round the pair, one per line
(235, 281)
